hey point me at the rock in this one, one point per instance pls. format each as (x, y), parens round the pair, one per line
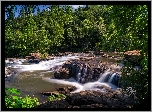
(9, 72)
(60, 90)
(91, 99)
(54, 104)
(99, 52)
(36, 61)
(37, 57)
(67, 53)
(133, 56)
(50, 57)
(91, 55)
(82, 58)
(56, 68)
(29, 57)
(6, 72)
(101, 99)
(49, 93)
(62, 73)
(81, 71)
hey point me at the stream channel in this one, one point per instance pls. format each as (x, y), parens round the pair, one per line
(32, 79)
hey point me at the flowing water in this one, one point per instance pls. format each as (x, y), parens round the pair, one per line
(32, 79)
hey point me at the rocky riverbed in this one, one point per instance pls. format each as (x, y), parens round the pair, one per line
(87, 68)
(89, 99)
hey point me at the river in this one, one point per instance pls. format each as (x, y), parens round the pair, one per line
(32, 79)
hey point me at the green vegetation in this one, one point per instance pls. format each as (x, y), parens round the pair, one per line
(94, 27)
(12, 100)
(56, 97)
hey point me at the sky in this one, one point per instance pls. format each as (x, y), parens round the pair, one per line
(41, 8)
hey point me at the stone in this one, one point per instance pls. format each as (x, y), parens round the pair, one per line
(90, 99)
(99, 52)
(133, 56)
(62, 73)
(83, 72)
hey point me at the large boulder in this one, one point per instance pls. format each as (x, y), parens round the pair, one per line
(92, 99)
(103, 99)
(37, 57)
(34, 57)
(83, 72)
(62, 74)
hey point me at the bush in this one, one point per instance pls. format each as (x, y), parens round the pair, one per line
(13, 101)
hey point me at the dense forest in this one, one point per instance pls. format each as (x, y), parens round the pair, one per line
(94, 27)
(87, 28)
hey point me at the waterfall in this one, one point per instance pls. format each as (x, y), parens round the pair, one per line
(103, 76)
(112, 77)
(109, 77)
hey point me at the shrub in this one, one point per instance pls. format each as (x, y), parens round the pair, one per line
(14, 101)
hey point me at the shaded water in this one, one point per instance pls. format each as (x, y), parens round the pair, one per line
(36, 78)
(31, 83)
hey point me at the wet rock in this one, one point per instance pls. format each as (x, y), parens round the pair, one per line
(82, 71)
(56, 68)
(62, 73)
(61, 90)
(37, 57)
(9, 72)
(49, 93)
(50, 57)
(36, 61)
(66, 90)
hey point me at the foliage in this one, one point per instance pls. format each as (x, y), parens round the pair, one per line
(138, 81)
(13, 101)
(94, 27)
(131, 26)
(56, 97)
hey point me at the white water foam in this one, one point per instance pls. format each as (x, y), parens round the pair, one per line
(44, 65)
(82, 87)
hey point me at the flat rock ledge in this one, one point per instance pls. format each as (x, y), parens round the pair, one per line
(91, 99)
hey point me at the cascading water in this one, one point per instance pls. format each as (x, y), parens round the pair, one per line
(106, 79)
(113, 78)
(43, 65)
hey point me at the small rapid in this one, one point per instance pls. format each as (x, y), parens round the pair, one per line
(36, 78)
(97, 85)
(43, 65)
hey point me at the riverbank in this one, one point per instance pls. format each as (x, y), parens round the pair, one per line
(109, 59)
(91, 99)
